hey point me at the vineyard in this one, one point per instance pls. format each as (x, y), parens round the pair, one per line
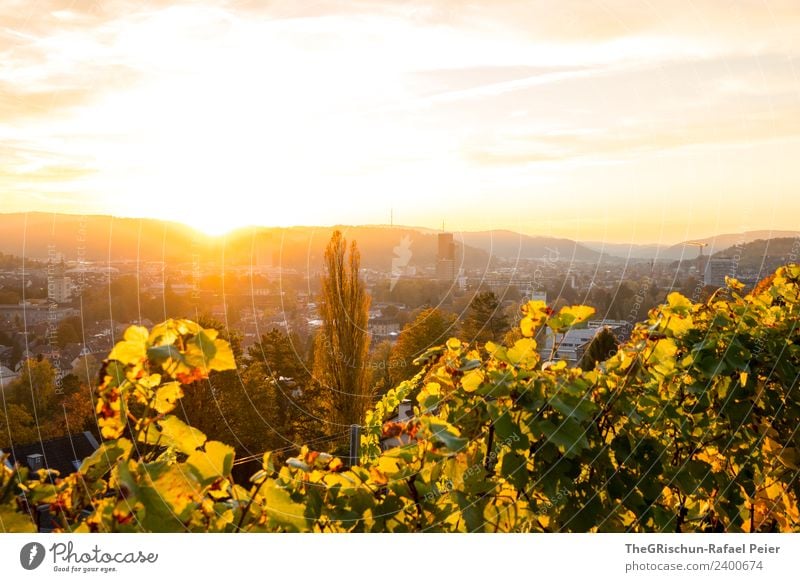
(691, 425)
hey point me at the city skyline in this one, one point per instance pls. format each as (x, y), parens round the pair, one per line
(619, 123)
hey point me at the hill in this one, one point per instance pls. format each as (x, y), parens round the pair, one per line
(513, 245)
(763, 255)
(681, 251)
(113, 239)
(722, 242)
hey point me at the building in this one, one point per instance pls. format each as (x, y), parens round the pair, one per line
(31, 313)
(63, 454)
(530, 293)
(572, 345)
(446, 257)
(716, 271)
(622, 328)
(6, 377)
(384, 327)
(59, 288)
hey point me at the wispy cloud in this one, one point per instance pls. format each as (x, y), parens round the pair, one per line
(422, 101)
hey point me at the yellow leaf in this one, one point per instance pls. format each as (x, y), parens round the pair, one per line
(166, 397)
(677, 326)
(580, 313)
(678, 303)
(734, 284)
(136, 333)
(212, 463)
(388, 465)
(223, 358)
(128, 352)
(472, 380)
(524, 352)
(535, 314)
(175, 433)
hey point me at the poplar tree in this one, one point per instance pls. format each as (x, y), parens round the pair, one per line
(342, 350)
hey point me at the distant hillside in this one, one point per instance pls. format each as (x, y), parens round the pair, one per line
(304, 247)
(130, 239)
(512, 245)
(627, 250)
(100, 237)
(763, 254)
(722, 242)
(106, 238)
(682, 250)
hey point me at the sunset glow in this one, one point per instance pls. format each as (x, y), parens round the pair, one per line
(590, 122)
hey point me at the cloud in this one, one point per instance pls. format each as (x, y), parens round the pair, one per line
(417, 99)
(614, 143)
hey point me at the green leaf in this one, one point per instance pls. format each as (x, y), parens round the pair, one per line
(581, 410)
(507, 432)
(14, 522)
(569, 436)
(513, 468)
(160, 354)
(106, 456)
(174, 433)
(445, 433)
(430, 397)
(661, 356)
(570, 316)
(282, 510)
(169, 495)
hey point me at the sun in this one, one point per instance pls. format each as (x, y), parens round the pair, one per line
(216, 228)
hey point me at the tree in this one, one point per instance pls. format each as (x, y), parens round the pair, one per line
(86, 369)
(675, 433)
(67, 332)
(35, 388)
(213, 403)
(603, 345)
(16, 426)
(78, 412)
(431, 327)
(485, 320)
(379, 363)
(9, 297)
(343, 343)
(53, 412)
(281, 362)
(282, 355)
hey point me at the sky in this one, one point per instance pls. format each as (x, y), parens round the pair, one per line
(622, 121)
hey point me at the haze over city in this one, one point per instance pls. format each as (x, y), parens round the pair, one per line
(612, 121)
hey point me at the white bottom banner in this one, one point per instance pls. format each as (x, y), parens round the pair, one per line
(334, 557)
